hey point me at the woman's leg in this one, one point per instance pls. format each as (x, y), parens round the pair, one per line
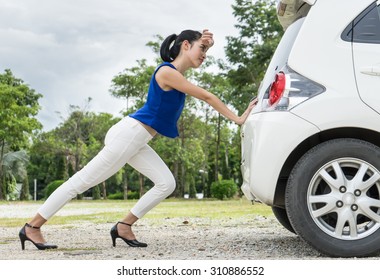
(35, 233)
(148, 163)
(122, 142)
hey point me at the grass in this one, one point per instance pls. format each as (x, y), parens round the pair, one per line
(112, 210)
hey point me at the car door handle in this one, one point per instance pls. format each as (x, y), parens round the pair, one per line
(371, 70)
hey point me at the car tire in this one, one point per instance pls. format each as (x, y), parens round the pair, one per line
(282, 218)
(333, 198)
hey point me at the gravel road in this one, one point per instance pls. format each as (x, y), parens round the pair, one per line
(246, 238)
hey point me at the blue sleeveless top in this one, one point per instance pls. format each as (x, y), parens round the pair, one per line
(162, 108)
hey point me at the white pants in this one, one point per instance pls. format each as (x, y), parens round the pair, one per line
(125, 142)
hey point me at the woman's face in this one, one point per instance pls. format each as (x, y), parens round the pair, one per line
(197, 53)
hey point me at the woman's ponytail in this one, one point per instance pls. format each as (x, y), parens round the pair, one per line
(166, 51)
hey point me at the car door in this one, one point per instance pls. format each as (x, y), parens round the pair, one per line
(366, 54)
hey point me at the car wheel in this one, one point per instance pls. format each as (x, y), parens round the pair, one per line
(333, 198)
(282, 217)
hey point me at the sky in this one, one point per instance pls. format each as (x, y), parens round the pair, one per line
(69, 50)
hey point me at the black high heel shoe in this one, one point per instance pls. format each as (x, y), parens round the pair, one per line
(132, 243)
(40, 246)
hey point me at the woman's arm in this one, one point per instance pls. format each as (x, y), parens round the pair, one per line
(168, 77)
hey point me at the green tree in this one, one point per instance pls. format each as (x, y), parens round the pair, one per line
(220, 86)
(18, 108)
(13, 167)
(24, 194)
(131, 84)
(46, 158)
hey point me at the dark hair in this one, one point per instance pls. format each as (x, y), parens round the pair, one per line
(169, 50)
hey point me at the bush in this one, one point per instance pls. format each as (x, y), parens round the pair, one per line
(51, 187)
(223, 189)
(133, 195)
(120, 195)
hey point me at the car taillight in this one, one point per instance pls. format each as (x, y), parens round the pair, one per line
(288, 90)
(277, 88)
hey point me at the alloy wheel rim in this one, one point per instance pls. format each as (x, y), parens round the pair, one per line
(343, 198)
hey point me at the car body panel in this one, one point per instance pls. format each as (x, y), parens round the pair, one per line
(364, 61)
(265, 151)
(311, 47)
(367, 69)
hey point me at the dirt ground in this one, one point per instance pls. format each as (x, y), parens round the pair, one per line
(254, 237)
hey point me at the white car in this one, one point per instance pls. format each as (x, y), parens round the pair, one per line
(311, 147)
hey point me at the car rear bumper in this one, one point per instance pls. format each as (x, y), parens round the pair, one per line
(268, 138)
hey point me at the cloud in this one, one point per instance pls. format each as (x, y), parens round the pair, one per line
(70, 50)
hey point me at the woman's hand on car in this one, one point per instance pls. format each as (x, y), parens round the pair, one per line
(246, 113)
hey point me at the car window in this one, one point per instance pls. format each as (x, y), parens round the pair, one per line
(365, 28)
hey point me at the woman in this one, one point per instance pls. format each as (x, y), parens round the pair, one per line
(126, 141)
